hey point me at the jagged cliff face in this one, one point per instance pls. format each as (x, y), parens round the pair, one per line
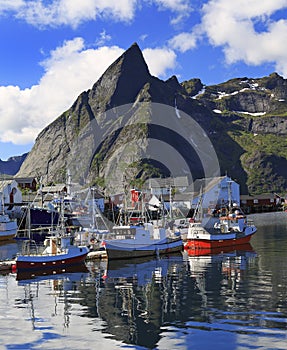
(113, 133)
(254, 115)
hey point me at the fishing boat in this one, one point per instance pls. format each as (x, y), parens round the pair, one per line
(8, 227)
(59, 251)
(231, 229)
(143, 240)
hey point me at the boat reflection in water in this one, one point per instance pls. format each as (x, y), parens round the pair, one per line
(47, 297)
(51, 273)
(219, 269)
(138, 297)
(236, 256)
(150, 303)
(142, 299)
(141, 270)
(8, 250)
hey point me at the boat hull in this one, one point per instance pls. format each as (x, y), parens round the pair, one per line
(218, 250)
(7, 235)
(216, 241)
(35, 262)
(8, 230)
(118, 249)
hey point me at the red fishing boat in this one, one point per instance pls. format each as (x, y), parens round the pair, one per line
(231, 229)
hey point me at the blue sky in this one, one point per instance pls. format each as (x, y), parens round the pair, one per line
(53, 50)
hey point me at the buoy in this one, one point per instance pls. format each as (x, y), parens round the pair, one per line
(14, 268)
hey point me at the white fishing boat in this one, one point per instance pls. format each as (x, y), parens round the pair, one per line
(143, 240)
(8, 227)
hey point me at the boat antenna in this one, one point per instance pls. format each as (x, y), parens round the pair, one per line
(229, 194)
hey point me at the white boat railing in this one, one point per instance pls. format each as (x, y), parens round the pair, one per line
(30, 247)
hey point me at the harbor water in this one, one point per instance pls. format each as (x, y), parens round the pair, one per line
(232, 299)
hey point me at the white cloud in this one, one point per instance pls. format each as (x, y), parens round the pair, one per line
(73, 13)
(182, 8)
(104, 37)
(234, 27)
(183, 42)
(70, 70)
(10, 5)
(159, 60)
(67, 12)
(174, 5)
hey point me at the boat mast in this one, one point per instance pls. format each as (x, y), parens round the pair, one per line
(29, 221)
(93, 207)
(2, 204)
(62, 216)
(229, 200)
(170, 201)
(69, 183)
(198, 208)
(143, 212)
(229, 194)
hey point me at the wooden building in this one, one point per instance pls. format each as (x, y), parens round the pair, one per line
(27, 183)
(261, 203)
(10, 196)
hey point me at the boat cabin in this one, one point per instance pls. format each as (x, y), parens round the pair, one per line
(232, 220)
(56, 245)
(141, 232)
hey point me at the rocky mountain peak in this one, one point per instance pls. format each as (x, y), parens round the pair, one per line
(124, 78)
(238, 115)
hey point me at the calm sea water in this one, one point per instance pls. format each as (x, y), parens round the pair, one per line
(229, 300)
